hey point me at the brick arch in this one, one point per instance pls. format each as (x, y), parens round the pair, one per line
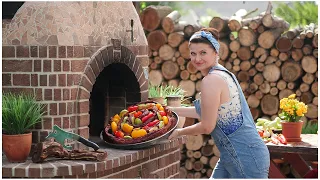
(101, 59)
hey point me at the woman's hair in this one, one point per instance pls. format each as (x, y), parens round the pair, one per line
(200, 39)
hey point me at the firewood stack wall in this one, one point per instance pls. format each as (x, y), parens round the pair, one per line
(269, 60)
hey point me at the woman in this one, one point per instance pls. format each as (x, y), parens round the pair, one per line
(224, 114)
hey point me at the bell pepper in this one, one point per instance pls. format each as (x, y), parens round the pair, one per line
(137, 121)
(159, 116)
(165, 120)
(162, 113)
(144, 119)
(153, 123)
(158, 105)
(141, 106)
(114, 126)
(127, 128)
(137, 114)
(161, 124)
(161, 109)
(138, 133)
(132, 108)
(282, 139)
(260, 133)
(119, 134)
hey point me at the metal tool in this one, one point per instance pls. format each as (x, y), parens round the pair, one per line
(60, 136)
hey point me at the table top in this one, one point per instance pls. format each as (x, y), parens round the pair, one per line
(308, 145)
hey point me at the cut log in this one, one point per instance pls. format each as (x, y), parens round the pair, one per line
(173, 82)
(278, 63)
(169, 21)
(255, 113)
(267, 38)
(175, 39)
(253, 87)
(236, 62)
(307, 49)
(260, 67)
(285, 93)
(253, 101)
(283, 56)
(270, 60)
(274, 52)
(182, 68)
(304, 87)
(180, 61)
(312, 111)
(193, 77)
(252, 72)
(261, 29)
(207, 150)
(315, 101)
(189, 153)
(154, 65)
(310, 30)
(234, 45)
(179, 26)
(254, 22)
(155, 53)
(281, 85)
(156, 39)
(291, 85)
(184, 50)
(228, 65)
(188, 164)
(298, 93)
(297, 42)
(197, 166)
(309, 64)
(199, 75)
(243, 76)
(188, 86)
(269, 104)
(274, 91)
(197, 175)
(283, 44)
(253, 47)
(183, 173)
(315, 53)
(314, 88)
(224, 50)
(290, 71)
(191, 68)
(219, 23)
(259, 52)
(184, 75)
(204, 160)
(151, 17)
(177, 54)
(271, 73)
(244, 53)
(259, 94)
(155, 77)
(169, 70)
(307, 97)
(245, 65)
(244, 86)
(235, 20)
(189, 30)
(246, 36)
(273, 84)
(272, 22)
(166, 52)
(258, 79)
(189, 122)
(209, 173)
(232, 37)
(296, 54)
(236, 68)
(157, 59)
(213, 161)
(197, 154)
(308, 78)
(265, 87)
(291, 34)
(315, 40)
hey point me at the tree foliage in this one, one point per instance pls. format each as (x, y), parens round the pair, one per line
(298, 12)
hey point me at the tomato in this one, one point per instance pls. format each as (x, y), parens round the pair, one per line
(165, 120)
(119, 134)
(162, 113)
(114, 126)
(132, 108)
(137, 114)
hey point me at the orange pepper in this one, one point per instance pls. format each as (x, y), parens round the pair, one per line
(138, 133)
(158, 105)
(161, 108)
(114, 126)
(127, 128)
(165, 120)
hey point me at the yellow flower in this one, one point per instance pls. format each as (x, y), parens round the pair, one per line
(292, 96)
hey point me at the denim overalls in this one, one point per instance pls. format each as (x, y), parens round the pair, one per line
(243, 153)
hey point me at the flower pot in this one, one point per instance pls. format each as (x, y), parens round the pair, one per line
(159, 100)
(174, 101)
(17, 147)
(292, 131)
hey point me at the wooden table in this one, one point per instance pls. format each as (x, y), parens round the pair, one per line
(293, 153)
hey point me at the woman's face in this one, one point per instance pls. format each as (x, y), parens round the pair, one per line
(202, 56)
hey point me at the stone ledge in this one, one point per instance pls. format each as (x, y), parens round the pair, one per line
(116, 159)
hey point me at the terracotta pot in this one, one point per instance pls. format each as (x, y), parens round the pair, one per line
(292, 131)
(159, 100)
(17, 147)
(174, 101)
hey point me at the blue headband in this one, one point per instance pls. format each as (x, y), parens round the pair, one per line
(208, 36)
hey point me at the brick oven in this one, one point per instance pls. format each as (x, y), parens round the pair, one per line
(79, 59)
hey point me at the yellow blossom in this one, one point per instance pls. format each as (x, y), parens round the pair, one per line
(292, 96)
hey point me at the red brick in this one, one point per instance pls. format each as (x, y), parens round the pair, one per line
(34, 79)
(37, 65)
(72, 122)
(86, 84)
(146, 153)
(89, 168)
(166, 172)
(43, 51)
(84, 132)
(52, 80)
(78, 51)
(47, 123)
(69, 108)
(57, 121)
(66, 65)
(66, 94)
(84, 120)
(62, 51)
(74, 93)
(21, 79)
(162, 162)
(84, 107)
(16, 65)
(8, 51)
(52, 51)
(6, 80)
(47, 170)
(66, 123)
(62, 108)
(76, 169)
(93, 175)
(69, 51)
(62, 170)
(134, 157)
(34, 51)
(100, 166)
(83, 94)
(57, 94)
(82, 176)
(43, 80)
(22, 51)
(6, 172)
(62, 81)
(115, 162)
(45, 109)
(47, 65)
(53, 109)
(128, 159)
(78, 65)
(38, 93)
(151, 166)
(57, 65)
(48, 94)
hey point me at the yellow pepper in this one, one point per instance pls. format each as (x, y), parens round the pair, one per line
(114, 126)
(116, 118)
(165, 120)
(161, 108)
(138, 133)
(127, 128)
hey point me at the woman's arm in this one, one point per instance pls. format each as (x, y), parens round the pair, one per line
(210, 101)
(186, 111)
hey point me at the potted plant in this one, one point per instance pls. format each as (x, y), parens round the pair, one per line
(175, 96)
(157, 93)
(292, 111)
(19, 114)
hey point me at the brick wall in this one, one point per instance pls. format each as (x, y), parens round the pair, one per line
(62, 78)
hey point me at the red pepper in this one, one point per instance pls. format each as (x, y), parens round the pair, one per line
(144, 119)
(151, 124)
(162, 113)
(137, 114)
(119, 134)
(282, 139)
(260, 133)
(132, 108)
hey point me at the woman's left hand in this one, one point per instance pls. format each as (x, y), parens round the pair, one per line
(174, 134)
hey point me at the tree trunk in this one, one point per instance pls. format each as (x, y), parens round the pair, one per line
(234, 45)
(246, 36)
(152, 16)
(267, 38)
(281, 85)
(166, 52)
(175, 39)
(169, 21)
(270, 104)
(309, 64)
(271, 73)
(189, 30)
(297, 42)
(156, 39)
(220, 24)
(296, 54)
(290, 71)
(184, 75)
(272, 22)
(170, 70)
(244, 53)
(283, 44)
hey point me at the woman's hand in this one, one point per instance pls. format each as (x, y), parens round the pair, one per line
(174, 134)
